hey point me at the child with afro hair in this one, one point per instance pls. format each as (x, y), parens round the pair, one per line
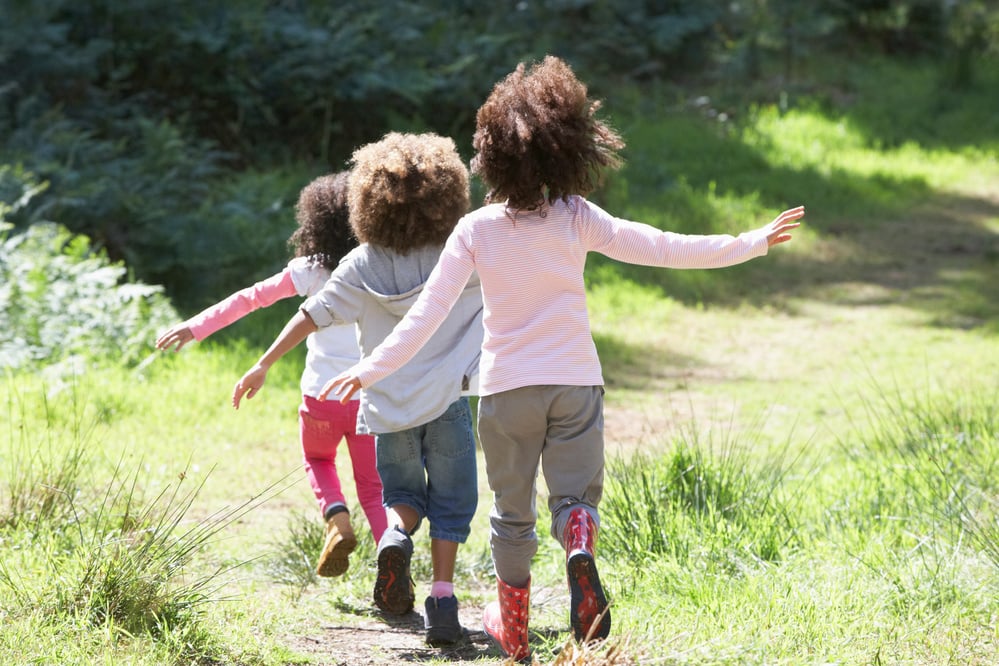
(322, 237)
(407, 192)
(540, 149)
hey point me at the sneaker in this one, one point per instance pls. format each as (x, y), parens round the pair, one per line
(338, 545)
(394, 591)
(588, 605)
(441, 621)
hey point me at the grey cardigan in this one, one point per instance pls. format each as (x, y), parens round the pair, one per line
(374, 287)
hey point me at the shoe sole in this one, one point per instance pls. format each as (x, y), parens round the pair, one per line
(587, 600)
(392, 587)
(334, 559)
(444, 636)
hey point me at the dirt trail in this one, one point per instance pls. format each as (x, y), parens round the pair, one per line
(381, 641)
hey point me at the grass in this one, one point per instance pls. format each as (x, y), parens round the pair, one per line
(801, 450)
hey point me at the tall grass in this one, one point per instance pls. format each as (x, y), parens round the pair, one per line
(885, 553)
(699, 501)
(938, 455)
(43, 474)
(100, 553)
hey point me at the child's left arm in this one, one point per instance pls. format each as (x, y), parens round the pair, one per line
(779, 231)
(642, 244)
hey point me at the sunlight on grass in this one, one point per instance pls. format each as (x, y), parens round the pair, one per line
(803, 139)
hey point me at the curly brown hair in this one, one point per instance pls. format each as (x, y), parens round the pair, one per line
(537, 131)
(323, 217)
(407, 191)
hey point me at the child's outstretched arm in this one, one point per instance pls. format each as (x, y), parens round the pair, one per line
(297, 329)
(231, 309)
(779, 231)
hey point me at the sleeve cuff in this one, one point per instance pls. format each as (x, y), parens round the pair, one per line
(317, 312)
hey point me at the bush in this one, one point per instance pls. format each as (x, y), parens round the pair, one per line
(60, 299)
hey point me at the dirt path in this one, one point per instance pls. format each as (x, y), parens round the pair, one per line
(381, 641)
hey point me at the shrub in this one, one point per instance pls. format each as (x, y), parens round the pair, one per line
(61, 300)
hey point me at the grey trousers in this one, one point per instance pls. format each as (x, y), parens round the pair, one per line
(560, 427)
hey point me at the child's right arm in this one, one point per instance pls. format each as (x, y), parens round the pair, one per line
(235, 307)
(297, 329)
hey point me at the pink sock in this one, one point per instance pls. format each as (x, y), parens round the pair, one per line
(441, 589)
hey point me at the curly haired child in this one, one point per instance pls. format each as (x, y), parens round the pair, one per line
(407, 192)
(322, 237)
(541, 149)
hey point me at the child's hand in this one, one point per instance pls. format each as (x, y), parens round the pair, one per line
(178, 335)
(249, 385)
(344, 385)
(778, 231)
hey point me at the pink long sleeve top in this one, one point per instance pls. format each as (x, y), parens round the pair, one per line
(530, 263)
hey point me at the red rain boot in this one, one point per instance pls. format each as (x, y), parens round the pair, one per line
(506, 620)
(588, 612)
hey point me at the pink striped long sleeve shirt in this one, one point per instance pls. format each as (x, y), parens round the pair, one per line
(530, 263)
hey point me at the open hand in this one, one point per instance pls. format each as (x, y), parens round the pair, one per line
(249, 385)
(779, 230)
(343, 385)
(178, 335)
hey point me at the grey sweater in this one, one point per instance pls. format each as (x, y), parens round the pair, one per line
(374, 287)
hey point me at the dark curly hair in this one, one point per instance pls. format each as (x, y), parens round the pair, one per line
(537, 131)
(323, 217)
(407, 191)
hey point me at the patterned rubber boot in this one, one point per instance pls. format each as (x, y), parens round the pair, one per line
(588, 612)
(338, 545)
(506, 620)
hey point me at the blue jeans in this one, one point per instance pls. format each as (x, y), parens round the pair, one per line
(432, 469)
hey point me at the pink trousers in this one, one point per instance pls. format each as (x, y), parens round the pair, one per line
(322, 425)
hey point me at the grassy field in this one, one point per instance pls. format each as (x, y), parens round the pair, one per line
(801, 450)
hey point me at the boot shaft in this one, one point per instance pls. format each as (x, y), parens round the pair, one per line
(337, 546)
(341, 523)
(506, 620)
(580, 536)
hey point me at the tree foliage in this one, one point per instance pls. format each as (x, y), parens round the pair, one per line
(151, 120)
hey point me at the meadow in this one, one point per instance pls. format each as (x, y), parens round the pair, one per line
(801, 450)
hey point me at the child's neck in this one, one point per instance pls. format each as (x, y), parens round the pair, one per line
(539, 208)
(537, 203)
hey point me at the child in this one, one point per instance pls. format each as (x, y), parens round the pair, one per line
(322, 237)
(406, 194)
(540, 149)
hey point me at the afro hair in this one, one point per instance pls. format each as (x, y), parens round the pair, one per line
(407, 191)
(323, 218)
(537, 132)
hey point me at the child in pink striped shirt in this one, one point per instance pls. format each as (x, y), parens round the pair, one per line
(540, 149)
(323, 236)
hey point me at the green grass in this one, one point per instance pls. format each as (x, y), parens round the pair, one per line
(802, 450)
